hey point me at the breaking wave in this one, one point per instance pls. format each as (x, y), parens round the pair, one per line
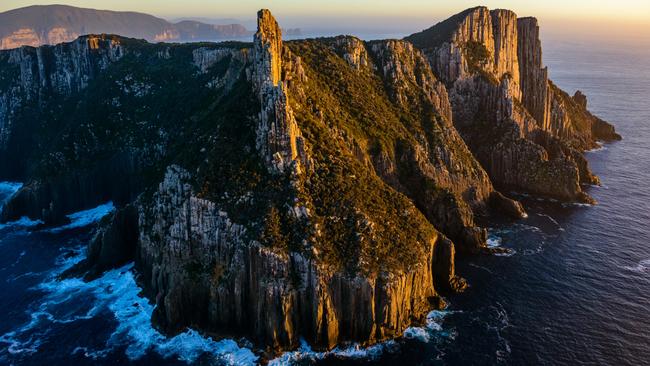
(116, 293)
(115, 296)
(22, 223)
(494, 241)
(305, 354)
(8, 189)
(87, 217)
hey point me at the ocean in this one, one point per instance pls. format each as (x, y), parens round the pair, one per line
(574, 289)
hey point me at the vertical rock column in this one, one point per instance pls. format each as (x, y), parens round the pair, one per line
(506, 60)
(277, 130)
(534, 77)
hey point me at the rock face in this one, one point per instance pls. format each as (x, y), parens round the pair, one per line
(526, 132)
(32, 75)
(117, 179)
(425, 151)
(277, 131)
(82, 124)
(204, 269)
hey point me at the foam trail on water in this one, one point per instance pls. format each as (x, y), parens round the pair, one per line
(86, 217)
(642, 267)
(601, 147)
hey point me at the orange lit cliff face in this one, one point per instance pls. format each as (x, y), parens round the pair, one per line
(167, 35)
(21, 37)
(29, 37)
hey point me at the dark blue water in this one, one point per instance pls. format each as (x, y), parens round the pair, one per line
(574, 290)
(577, 288)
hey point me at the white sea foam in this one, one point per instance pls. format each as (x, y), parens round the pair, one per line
(435, 318)
(494, 241)
(117, 293)
(601, 147)
(305, 354)
(576, 204)
(8, 189)
(22, 223)
(86, 217)
(524, 227)
(418, 333)
(549, 217)
(509, 253)
(641, 267)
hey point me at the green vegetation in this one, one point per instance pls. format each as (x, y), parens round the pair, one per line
(580, 120)
(477, 55)
(364, 224)
(273, 234)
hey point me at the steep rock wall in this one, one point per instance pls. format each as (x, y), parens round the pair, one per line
(32, 75)
(277, 132)
(427, 160)
(205, 270)
(492, 64)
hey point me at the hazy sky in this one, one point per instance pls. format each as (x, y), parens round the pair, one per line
(586, 16)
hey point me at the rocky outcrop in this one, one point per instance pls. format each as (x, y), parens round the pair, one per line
(432, 166)
(406, 73)
(32, 75)
(405, 69)
(506, 60)
(113, 245)
(555, 111)
(205, 270)
(278, 136)
(65, 68)
(314, 189)
(534, 77)
(526, 132)
(353, 51)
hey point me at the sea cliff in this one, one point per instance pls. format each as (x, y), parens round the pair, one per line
(316, 189)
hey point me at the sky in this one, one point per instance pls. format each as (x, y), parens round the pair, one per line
(589, 17)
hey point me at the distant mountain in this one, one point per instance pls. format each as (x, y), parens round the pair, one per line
(52, 24)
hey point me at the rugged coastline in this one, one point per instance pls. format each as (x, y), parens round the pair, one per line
(336, 178)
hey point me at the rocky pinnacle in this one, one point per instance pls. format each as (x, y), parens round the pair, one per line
(277, 131)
